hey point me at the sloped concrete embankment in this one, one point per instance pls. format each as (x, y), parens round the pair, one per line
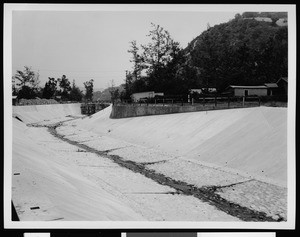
(39, 113)
(243, 196)
(54, 180)
(48, 185)
(252, 141)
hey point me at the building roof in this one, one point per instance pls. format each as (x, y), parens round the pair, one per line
(143, 92)
(196, 90)
(248, 87)
(271, 85)
(14, 97)
(284, 79)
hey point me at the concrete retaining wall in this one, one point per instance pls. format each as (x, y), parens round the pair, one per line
(125, 111)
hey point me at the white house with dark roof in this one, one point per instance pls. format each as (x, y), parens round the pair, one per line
(248, 90)
(143, 95)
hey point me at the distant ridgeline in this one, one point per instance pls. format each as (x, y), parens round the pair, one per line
(249, 50)
(105, 94)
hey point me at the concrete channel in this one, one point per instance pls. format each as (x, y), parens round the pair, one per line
(207, 194)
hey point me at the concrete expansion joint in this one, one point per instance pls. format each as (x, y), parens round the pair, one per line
(154, 162)
(206, 194)
(150, 193)
(158, 162)
(84, 141)
(52, 125)
(115, 149)
(215, 188)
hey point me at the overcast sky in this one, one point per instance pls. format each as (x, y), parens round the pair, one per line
(86, 45)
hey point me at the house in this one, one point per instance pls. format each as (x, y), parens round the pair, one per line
(142, 95)
(248, 90)
(282, 84)
(272, 88)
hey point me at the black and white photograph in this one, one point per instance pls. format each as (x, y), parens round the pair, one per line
(149, 116)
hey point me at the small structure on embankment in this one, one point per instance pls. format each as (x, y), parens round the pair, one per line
(145, 95)
(91, 108)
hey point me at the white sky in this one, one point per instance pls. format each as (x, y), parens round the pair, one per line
(86, 45)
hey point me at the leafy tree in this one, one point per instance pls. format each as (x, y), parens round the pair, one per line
(250, 14)
(27, 78)
(75, 93)
(50, 88)
(65, 87)
(89, 88)
(160, 51)
(26, 92)
(14, 89)
(27, 82)
(114, 92)
(155, 59)
(241, 52)
(137, 59)
(126, 94)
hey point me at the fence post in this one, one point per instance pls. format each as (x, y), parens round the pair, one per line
(215, 100)
(259, 101)
(192, 101)
(243, 101)
(203, 100)
(228, 102)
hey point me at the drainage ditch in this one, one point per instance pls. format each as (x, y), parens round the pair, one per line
(206, 194)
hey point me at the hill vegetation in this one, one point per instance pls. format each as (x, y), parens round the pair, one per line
(25, 85)
(244, 51)
(241, 52)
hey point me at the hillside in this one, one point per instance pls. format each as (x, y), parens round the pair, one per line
(248, 50)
